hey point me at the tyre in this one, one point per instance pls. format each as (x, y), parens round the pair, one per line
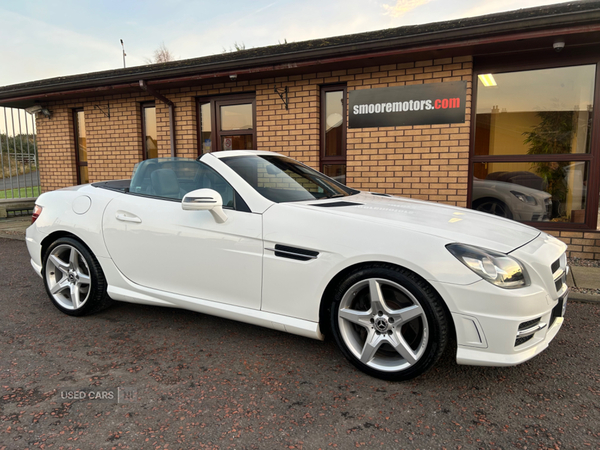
(389, 322)
(493, 206)
(73, 278)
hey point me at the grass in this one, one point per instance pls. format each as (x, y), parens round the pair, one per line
(20, 193)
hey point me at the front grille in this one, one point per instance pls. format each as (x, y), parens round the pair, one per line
(522, 340)
(555, 265)
(529, 323)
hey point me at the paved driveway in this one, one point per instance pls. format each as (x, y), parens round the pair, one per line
(19, 181)
(189, 381)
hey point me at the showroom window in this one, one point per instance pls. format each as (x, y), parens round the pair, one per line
(227, 123)
(333, 132)
(149, 134)
(533, 157)
(81, 154)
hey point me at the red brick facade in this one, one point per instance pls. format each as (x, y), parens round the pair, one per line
(427, 162)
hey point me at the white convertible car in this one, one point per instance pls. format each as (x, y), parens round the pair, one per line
(260, 238)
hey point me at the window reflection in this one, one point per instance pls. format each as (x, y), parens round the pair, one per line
(81, 143)
(526, 124)
(335, 171)
(334, 121)
(237, 142)
(236, 117)
(205, 128)
(150, 135)
(536, 112)
(524, 191)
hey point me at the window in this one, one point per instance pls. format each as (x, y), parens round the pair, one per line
(149, 134)
(226, 123)
(172, 178)
(533, 153)
(333, 132)
(81, 155)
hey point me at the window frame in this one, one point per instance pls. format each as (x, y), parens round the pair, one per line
(78, 163)
(511, 64)
(143, 106)
(337, 159)
(215, 120)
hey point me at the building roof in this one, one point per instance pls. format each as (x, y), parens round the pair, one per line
(572, 17)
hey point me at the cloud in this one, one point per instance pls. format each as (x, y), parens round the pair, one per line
(403, 6)
(42, 50)
(484, 8)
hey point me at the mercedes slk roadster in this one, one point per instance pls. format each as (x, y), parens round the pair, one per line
(261, 238)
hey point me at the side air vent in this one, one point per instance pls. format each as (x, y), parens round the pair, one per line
(335, 204)
(298, 254)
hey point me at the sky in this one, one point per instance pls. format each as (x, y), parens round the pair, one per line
(50, 38)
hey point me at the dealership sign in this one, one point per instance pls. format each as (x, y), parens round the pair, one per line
(421, 104)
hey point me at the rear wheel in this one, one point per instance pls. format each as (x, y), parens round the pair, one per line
(389, 323)
(73, 278)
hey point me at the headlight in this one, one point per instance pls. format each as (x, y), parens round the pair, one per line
(497, 268)
(524, 197)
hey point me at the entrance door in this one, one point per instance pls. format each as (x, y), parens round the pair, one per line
(227, 123)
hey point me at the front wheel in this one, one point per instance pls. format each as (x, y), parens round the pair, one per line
(389, 323)
(73, 278)
(493, 206)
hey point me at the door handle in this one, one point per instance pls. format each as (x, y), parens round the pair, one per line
(128, 218)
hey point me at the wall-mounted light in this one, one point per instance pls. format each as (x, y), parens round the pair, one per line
(558, 46)
(233, 77)
(487, 79)
(38, 109)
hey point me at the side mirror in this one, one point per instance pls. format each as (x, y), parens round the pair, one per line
(205, 200)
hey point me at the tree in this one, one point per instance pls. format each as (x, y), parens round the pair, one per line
(161, 55)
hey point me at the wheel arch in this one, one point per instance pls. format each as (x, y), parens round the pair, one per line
(489, 198)
(96, 297)
(52, 237)
(329, 292)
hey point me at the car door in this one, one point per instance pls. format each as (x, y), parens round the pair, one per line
(156, 244)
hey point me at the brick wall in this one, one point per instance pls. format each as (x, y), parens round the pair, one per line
(582, 244)
(113, 145)
(56, 154)
(427, 162)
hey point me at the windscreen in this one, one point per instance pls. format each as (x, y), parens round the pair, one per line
(282, 179)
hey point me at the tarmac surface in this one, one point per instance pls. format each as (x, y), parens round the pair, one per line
(20, 181)
(177, 379)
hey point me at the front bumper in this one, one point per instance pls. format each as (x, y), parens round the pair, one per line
(496, 327)
(505, 327)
